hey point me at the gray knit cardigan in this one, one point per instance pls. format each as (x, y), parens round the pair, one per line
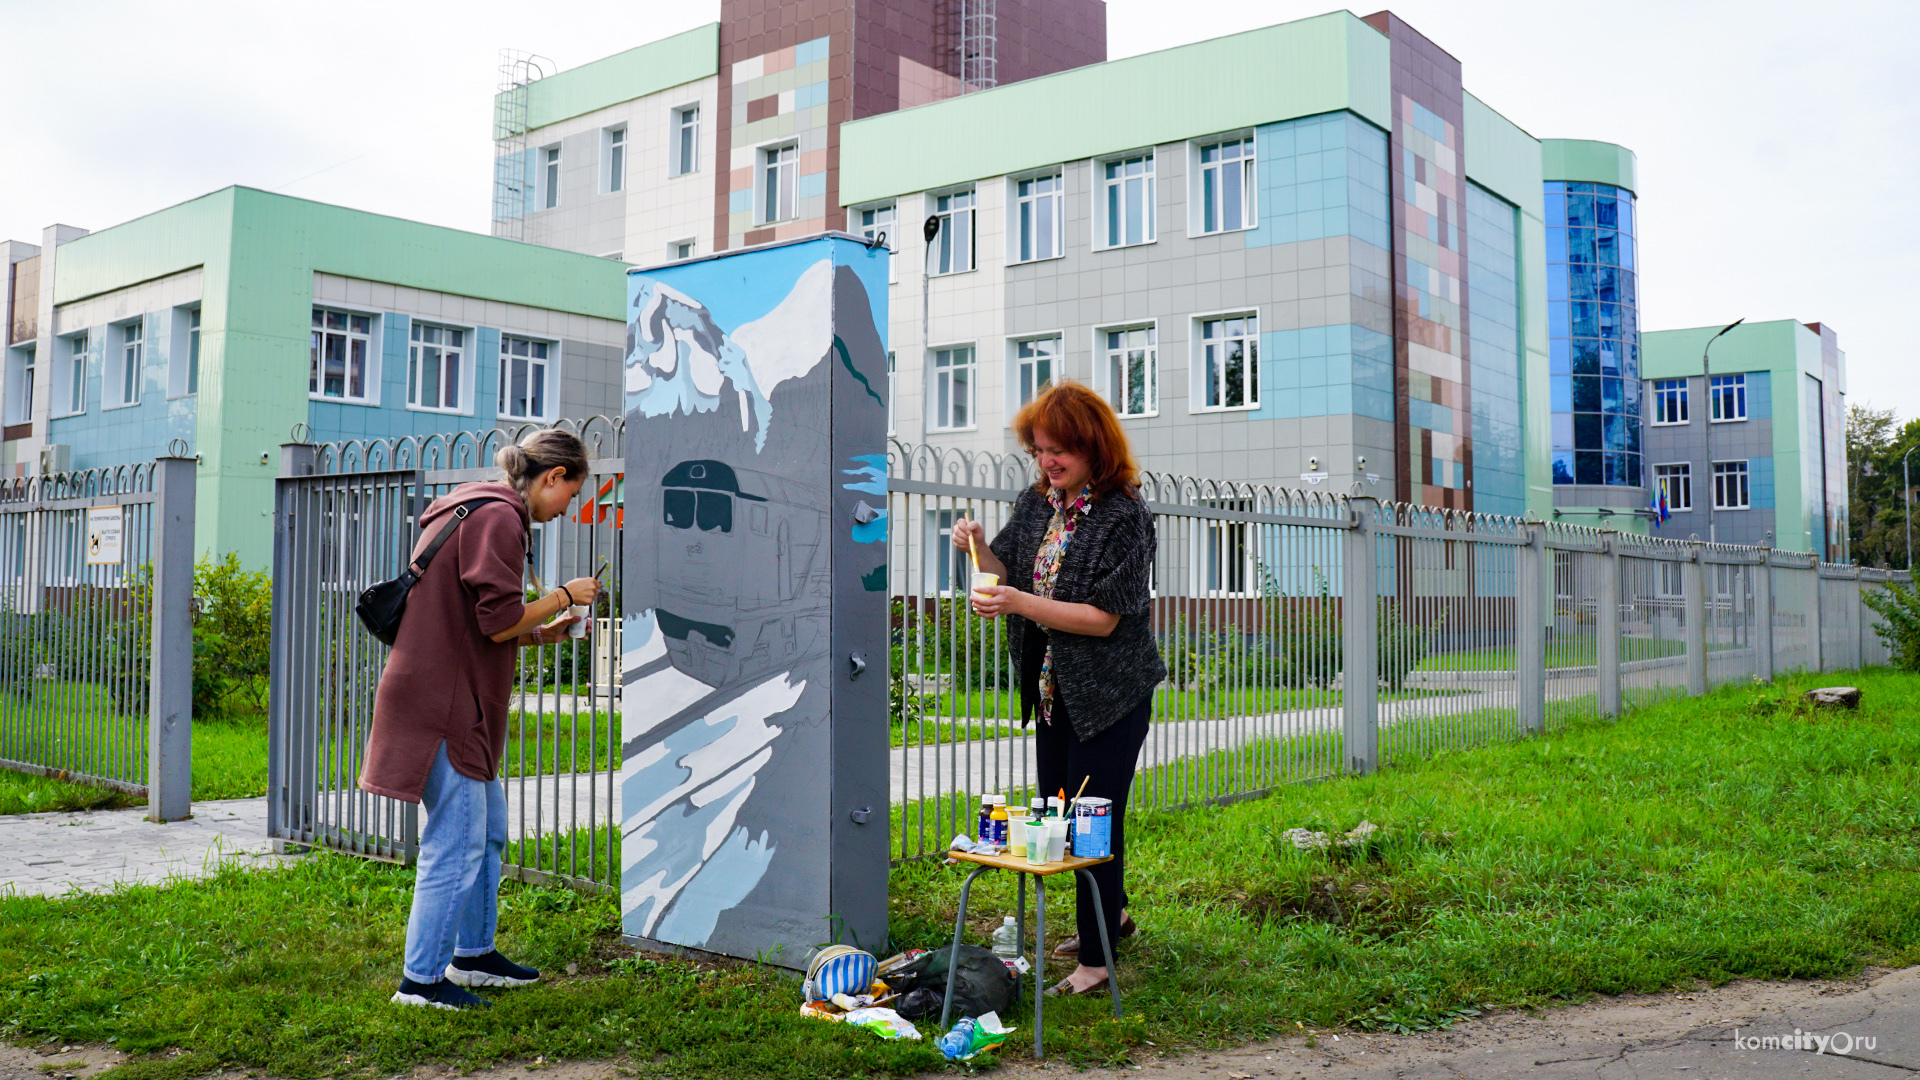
(1109, 564)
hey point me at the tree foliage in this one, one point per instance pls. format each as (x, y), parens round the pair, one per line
(1876, 512)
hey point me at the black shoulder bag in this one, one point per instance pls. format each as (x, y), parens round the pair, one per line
(381, 606)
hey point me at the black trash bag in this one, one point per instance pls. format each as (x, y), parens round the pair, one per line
(982, 985)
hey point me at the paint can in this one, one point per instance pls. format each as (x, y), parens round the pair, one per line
(1093, 828)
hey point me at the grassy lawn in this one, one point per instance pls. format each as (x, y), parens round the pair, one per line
(1561, 652)
(1703, 839)
(229, 762)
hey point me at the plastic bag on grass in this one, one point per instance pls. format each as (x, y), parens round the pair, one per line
(981, 985)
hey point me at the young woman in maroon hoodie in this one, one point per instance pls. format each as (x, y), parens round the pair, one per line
(440, 715)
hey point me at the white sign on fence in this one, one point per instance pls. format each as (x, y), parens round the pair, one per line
(104, 524)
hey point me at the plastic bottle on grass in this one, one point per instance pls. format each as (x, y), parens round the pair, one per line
(954, 1043)
(1006, 940)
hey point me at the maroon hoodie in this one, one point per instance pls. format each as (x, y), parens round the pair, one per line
(446, 678)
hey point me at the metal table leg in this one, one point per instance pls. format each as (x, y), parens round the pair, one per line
(1039, 962)
(953, 956)
(1113, 970)
(1020, 927)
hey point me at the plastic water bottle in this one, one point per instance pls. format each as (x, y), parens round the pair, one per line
(1006, 940)
(954, 1043)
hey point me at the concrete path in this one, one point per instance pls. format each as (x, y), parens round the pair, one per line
(92, 851)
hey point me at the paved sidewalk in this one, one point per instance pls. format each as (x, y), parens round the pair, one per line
(92, 850)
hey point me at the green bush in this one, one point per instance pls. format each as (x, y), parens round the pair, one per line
(232, 636)
(1899, 609)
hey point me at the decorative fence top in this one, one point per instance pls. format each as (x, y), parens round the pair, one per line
(104, 482)
(452, 450)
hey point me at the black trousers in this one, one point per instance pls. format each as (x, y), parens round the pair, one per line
(1107, 761)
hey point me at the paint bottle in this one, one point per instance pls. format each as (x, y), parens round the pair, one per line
(997, 819)
(986, 819)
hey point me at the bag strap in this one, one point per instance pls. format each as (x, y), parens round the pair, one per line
(419, 565)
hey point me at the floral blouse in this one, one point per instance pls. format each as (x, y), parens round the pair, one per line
(1046, 568)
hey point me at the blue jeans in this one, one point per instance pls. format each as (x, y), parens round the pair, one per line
(456, 890)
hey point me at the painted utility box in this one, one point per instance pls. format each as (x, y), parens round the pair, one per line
(753, 777)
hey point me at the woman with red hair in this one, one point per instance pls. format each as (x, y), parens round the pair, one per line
(1077, 559)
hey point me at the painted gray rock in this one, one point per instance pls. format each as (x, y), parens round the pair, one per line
(1833, 697)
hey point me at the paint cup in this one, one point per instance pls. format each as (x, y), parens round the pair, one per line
(1093, 828)
(583, 616)
(1016, 831)
(1036, 841)
(983, 580)
(1056, 839)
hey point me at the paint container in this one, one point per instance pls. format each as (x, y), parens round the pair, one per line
(983, 580)
(1093, 828)
(997, 820)
(1017, 830)
(986, 819)
(583, 618)
(1036, 841)
(1056, 839)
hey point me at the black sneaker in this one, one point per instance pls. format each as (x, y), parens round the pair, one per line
(490, 970)
(440, 995)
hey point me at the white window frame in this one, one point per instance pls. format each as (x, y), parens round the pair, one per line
(939, 253)
(1744, 476)
(866, 221)
(22, 360)
(935, 373)
(1016, 365)
(1027, 210)
(1202, 201)
(550, 160)
(784, 173)
(893, 391)
(1735, 386)
(1103, 232)
(613, 151)
(550, 376)
(683, 141)
(463, 363)
(944, 565)
(1685, 477)
(371, 376)
(1197, 363)
(675, 252)
(1103, 356)
(1677, 390)
(127, 364)
(71, 396)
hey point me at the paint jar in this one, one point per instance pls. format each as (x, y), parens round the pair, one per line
(1093, 828)
(986, 819)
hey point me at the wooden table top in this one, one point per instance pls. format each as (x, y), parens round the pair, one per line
(1020, 865)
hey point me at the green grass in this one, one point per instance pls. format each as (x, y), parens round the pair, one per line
(1696, 840)
(229, 762)
(1570, 651)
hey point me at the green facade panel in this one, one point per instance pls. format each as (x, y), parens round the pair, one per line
(648, 69)
(1502, 158)
(1589, 162)
(1303, 68)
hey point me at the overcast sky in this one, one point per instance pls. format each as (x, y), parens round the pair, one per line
(1779, 142)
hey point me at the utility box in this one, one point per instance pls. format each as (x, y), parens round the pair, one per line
(753, 778)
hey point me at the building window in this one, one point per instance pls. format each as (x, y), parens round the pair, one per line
(1676, 483)
(20, 384)
(893, 393)
(1132, 370)
(1033, 362)
(1038, 202)
(1230, 362)
(616, 158)
(77, 374)
(1593, 335)
(338, 348)
(1670, 401)
(1730, 485)
(523, 378)
(779, 177)
(132, 346)
(552, 179)
(953, 247)
(686, 140)
(1729, 397)
(1127, 194)
(680, 249)
(434, 363)
(1226, 186)
(952, 388)
(876, 224)
(193, 351)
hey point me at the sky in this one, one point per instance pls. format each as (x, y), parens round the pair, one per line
(1776, 140)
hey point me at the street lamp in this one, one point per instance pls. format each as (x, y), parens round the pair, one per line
(1706, 368)
(1906, 501)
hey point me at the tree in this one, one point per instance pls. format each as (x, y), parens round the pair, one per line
(1876, 506)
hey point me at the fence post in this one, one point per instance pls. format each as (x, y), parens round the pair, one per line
(1859, 619)
(170, 650)
(1694, 583)
(1815, 619)
(1606, 645)
(1530, 652)
(292, 586)
(1763, 617)
(1359, 678)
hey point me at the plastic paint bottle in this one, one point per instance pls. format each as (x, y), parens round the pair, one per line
(986, 819)
(997, 819)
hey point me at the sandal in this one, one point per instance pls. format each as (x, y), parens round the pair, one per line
(1071, 946)
(1064, 988)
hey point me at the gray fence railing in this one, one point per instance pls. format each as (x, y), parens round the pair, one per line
(1482, 628)
(345, 517)
(96, 631)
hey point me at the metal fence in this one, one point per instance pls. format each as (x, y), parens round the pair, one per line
(96, 633)
(345, 517)
(1482, 628)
